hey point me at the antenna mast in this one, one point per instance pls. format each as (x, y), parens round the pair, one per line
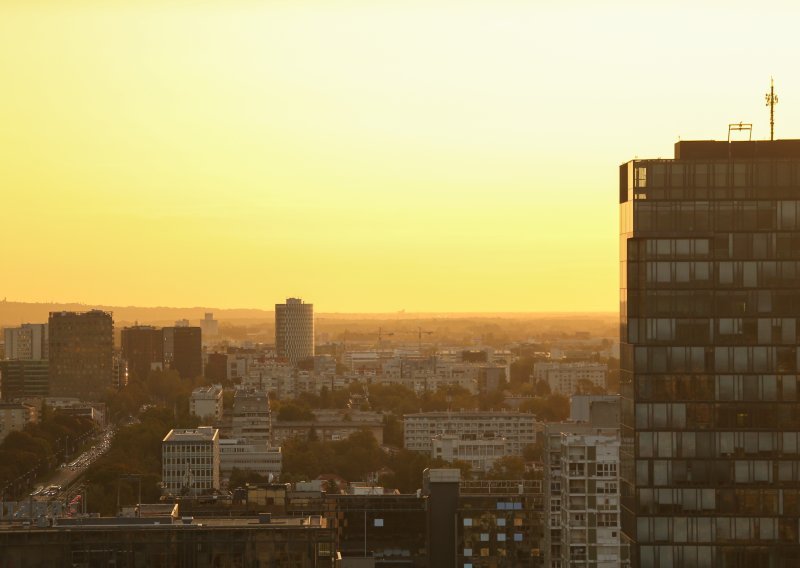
(772, 100)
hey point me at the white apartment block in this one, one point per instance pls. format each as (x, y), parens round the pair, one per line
(190, 461)
(27, 342)
(564, 378)
(518, 428)
(582, 499)
(15, 416)
(479, 453)
(206, 403)
(241, 454)
(251, 418)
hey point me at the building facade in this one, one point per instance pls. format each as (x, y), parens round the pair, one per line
(294, 330)
(251, 417)
(29, 342)
(518, 428)
(567, 378)
(24, 378)
(186, 350)
(15, 416)
(245, 456)
(206, 403)
(81, 349)
(143, 349)
(190, 461)
(710, 271)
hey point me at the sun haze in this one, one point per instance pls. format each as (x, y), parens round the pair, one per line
(367, 156)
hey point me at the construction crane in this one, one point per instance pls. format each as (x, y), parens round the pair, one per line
(419, 333)
(381, 333)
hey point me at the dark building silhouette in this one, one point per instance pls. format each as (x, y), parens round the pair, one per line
(24, 378)
(142, 347)
(217, 367)
(183, 350)
(710, 295)
(81, 354)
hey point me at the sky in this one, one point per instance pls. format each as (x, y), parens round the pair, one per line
(366, 156)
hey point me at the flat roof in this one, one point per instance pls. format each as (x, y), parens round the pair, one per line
(740, 149)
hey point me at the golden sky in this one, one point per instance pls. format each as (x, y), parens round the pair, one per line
(362, 155)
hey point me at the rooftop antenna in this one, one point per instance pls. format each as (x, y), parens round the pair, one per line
(772, 100)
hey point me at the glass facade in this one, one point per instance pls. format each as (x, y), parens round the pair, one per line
(709, 307)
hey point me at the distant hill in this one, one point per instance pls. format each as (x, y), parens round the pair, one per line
(15, 313)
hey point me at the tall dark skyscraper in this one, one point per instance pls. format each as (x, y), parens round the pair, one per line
(81, 354)
(294, 330)
(183, 350)
(710, 296)
(142, 346)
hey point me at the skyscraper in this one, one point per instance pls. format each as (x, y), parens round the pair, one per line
(183, 350)
(294, 330)
(710, 295)
(81, 354)
(142, 348)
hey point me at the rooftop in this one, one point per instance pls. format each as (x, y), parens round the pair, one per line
(201, 434)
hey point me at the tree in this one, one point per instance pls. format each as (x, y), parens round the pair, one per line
(507, 467)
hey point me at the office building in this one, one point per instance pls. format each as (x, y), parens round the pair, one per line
(518, 428)
(246, 456)
(190, 461)
(27, 342)
(81, 350)
(24, 378)
(183, 350)
(143, 349)
(206, 403)
(710, 284)
(294, 330)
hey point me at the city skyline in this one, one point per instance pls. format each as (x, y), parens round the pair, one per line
(443, 157)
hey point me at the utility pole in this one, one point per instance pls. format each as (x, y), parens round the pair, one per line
(772, 100)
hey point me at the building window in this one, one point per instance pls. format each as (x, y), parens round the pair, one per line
(467, 522)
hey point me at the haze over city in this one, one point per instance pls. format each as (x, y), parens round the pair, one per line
(427, 156)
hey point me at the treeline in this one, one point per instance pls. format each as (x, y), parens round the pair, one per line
(162, 388)
(360, 458)
(36, 451)
(134, 457)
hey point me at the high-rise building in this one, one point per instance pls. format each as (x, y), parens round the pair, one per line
(710, 293)
(28, 342)
(81, 354)
(143, 349)
(183, 350)
(294, 330)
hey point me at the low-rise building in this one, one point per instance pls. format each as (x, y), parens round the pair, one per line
(330, 426)
(190, 461)
(518, 428)
(242, 455)
(566, 378)
(15, 416)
